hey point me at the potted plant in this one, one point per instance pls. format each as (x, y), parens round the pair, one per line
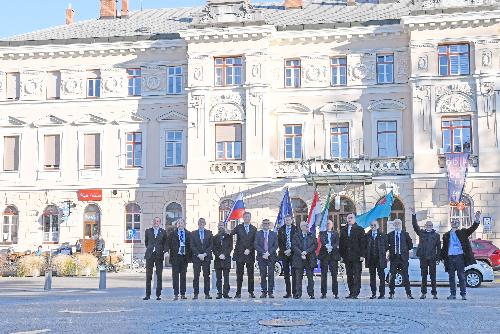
(86, 264)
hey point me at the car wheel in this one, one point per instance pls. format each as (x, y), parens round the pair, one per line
(277, 268)
(473, 278)
(398, 281)
(341, 270)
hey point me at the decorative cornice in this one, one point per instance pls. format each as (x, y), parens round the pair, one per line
(89, 119)
(49, 120)
(227, 34)
(132, 118)
(451, 20)
(10, 121)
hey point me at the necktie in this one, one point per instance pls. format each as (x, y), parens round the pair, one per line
(349, 231)
(202, 235)
(182, 247)
(246, 228)
(305, 241)
(330, 238)
(397, 243)
(266, 243)
(288, 243)
(374, 235)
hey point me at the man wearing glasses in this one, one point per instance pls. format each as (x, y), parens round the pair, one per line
(375, 259)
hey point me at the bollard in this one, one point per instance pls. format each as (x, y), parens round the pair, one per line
(48, 280)
(102, 278)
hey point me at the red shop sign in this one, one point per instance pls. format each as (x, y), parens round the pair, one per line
(87, 195)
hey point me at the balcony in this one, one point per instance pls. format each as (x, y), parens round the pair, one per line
(473, 160)
(227, 167)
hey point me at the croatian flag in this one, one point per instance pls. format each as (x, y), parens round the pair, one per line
(381, 210)
(237, 211)
(285, 210)
(314, 214)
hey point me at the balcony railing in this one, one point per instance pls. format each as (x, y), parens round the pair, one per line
(227, 167)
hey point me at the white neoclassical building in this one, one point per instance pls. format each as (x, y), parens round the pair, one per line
(107, 123)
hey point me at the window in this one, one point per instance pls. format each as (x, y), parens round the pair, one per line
(92, 151)
(52, 151)
(175, 80)
(228, 71)
(338, 67)
(173, 211)
(91, 221)
(339, 136)
(133, 221)
(385, 69)
(174, 148)
(300, 211)
(50, 222)
(292, 73)
(134, 149)
(228, 142)
(134, 81)
(93, 84)
(457, 134)
(293, 142)
(53, 85)
(397, 212)
(13, 86)
(11, 153)
(453, 59)
(339, 215)
(387, 138)
(10, 225)
(462, 211)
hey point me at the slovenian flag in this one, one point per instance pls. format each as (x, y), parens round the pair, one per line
(381, 210)
(314, 212)
(237, 211)
(285, 210)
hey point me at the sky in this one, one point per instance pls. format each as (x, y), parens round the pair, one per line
(22, 16)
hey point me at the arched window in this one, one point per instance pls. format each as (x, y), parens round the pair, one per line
(91, 221)
(462, 211)
(173, 211)
(133, 217)
(224, 210)
(10, 225)
(299, 210)
(339, 215)
(397, 211)
(50, 222)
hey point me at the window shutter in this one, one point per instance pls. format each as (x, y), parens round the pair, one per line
(229, 132)
(11, 153)
(53, 85)
(13, 88)
(52, 151)
(92, 148)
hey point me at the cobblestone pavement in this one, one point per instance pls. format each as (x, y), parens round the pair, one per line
(74, 305)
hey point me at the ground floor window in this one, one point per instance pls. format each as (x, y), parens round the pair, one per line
(133, 217)
(10, 225)
(339, 215)
(50, 222)
(462, 211)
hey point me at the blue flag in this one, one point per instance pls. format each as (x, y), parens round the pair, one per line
(285, 210)
(381, 210)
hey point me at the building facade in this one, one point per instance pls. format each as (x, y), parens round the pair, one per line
(174, 112)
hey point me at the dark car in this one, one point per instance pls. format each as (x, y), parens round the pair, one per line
(485, 251)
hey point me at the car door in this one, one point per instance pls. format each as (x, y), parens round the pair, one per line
(441, 274)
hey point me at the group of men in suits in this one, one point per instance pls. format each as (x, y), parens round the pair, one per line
(298, 252)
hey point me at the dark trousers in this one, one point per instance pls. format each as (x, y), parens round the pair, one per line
(428, 267)
(374, 272)
(219, 273)
(299, 273)
(456, 264)
(333, 266)
(179, 269)
(353, 272)
(289, 270)
(401, 266)
(266, 268)
(155, 260)
(240, 269)
(197, 267)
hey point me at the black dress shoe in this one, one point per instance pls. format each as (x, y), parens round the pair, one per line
(263, 295)
(251, 295)
(311, 297)
(145, 298)
(195, 297)
(176, 297)
(391, 296)
(183, 297)
(158, 298)
(237, 296)
(434, 297)
(354, 297)
(218, 297)
(208, 297)
(381, 297)
(410, 297)
(296, 297)
(373, 297)
(287, 296)
(348, 297)
(271, 296)
(323, 296)
(336, 297)
(228, 297)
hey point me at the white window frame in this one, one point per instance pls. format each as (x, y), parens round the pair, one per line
(9, 239)
(138, 235)
(386, 116)
(54, 174)
(92, 172)
(172, 171)
(125, 171)
(385, 65)
(10, 174)
(96, 83)
(181, 142)
(172, 90)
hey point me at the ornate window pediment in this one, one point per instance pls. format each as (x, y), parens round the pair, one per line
(49, 120)
(132, 118)
(455, 102)
(294, 108)
(9, 121)
(339, 106)
(227, 112)
(172, 115)
(387, 105)
(90, 119)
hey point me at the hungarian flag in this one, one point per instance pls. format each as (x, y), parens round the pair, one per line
(323, 224)
(314, 211)
(237, 210)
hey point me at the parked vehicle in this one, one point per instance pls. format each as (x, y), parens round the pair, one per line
(485, 251)
(278, 268)
(474, 274)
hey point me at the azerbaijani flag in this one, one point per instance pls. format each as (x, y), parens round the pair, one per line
(324, 219)
(381, 210)
(237, 211)
(313, 213)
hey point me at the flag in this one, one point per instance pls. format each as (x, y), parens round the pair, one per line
(314, 212)
(456, 165)
(285, 210)
(237, 210)
(381, 210)
(324, 219)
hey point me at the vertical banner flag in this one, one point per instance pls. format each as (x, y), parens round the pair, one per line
(285, 210)
(237, 210)
(323, 223)
(456, 166)
(313, 213)
(381, 210)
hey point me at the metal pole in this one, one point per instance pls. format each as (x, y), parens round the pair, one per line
(132, 253)
(48, 274)
(102, 277)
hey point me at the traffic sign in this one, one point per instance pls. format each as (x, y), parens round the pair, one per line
(131, 233)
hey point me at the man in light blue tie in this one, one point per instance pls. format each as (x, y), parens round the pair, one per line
(399, 245)
(266, 245)
(285, 237)
(201, 248)
(180, 254)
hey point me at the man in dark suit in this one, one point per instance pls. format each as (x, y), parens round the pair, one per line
(222, 248)
(428, 252)
(457, 254)
(180, 254)
(285, 237)
(266, 245)
(156, 246)
(304, 257)
(351, 251)
(399, 245)
(244, 253)
(375, 245)
(201, 249)
(329, 258)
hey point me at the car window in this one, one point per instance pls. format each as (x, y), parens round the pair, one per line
(478, 246)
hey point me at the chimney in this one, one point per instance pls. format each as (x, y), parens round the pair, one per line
(351, 2)
(70, 15)
(108, 9)
(293, 4)
(124, 8)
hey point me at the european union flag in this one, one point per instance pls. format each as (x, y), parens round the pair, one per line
(285, 210)
(381, 210)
